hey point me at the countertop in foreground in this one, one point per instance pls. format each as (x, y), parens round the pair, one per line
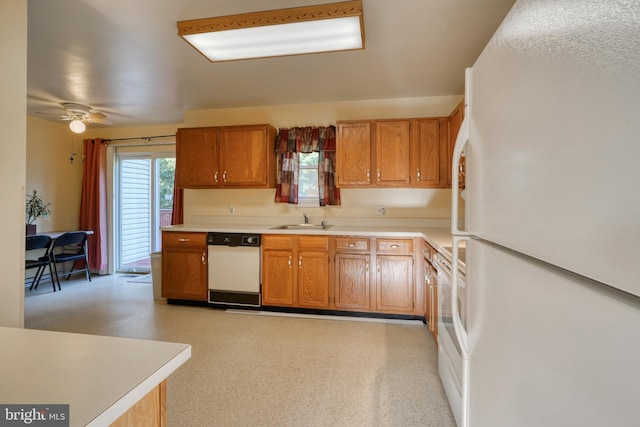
(99, 377)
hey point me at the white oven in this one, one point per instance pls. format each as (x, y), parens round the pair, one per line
(234, 269)
(450, 359)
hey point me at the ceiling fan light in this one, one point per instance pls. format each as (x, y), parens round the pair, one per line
(77, 126)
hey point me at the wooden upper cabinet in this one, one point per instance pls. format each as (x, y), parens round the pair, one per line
(197, 157)
(425, 148)
(398, 153)
(226, 157)
(353, 154)
(247, 156)
(392, 139)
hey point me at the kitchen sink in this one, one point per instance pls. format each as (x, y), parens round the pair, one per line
(301, 227)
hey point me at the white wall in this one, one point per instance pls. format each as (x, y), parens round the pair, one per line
(13, 122)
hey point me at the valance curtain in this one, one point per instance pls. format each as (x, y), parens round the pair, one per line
(93, 202)
(292, 141)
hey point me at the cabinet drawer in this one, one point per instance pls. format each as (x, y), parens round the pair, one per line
(313, 242)
(273, 241)
(350, 244)
(192, 240)
(404, 246)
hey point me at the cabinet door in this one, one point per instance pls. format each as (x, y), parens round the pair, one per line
(313, 279)
(394, 283)
(425, 171)
(431, 308)
(244, 152)
(197, 158)
(184, 273)
(455, 121)
(392, 153)
(351, 281)
(277, 278)
(353, 154)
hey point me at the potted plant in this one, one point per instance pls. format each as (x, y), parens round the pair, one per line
(35, 208)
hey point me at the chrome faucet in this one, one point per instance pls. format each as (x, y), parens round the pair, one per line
(306, 218)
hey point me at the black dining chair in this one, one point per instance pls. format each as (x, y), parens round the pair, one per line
(70, 247)
(39, 260)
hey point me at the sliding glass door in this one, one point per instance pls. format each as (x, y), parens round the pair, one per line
(144, 199)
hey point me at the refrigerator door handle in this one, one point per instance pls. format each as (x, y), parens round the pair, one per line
(461, 141)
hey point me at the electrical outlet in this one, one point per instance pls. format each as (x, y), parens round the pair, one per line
(381, 210)
(232, 209)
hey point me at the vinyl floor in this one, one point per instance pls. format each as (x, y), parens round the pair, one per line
(262, 370)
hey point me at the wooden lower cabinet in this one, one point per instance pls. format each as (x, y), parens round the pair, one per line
(395, 275)
(351, 290)
(430, 290)
(277, 277)
(394, 283)
(295, 271)
(184, 266)
(313, 279)
(149, 411)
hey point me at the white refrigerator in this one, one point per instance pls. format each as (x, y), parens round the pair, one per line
(550, 333)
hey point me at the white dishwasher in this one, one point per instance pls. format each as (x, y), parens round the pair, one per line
(234, 269)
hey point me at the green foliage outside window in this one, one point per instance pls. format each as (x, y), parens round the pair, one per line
(167, 173)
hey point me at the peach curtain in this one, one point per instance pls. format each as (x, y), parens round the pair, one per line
(93, 202)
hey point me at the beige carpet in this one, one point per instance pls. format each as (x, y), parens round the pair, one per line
(250, 370)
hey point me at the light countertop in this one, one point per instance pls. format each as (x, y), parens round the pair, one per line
(99, 377)
(438, 237)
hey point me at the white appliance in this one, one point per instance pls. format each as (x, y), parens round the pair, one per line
(450, 361)
(551, 333)
(234, 269)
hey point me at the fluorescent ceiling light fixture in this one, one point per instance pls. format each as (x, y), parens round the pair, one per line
(295, 31)
(77, 126)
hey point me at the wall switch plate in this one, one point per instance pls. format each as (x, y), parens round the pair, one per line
(232, 209)
(381, 210)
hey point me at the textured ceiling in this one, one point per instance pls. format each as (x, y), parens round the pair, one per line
(124, 58)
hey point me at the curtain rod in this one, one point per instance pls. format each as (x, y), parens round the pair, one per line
(144, 138)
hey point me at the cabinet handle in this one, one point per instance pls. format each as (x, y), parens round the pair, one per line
(184, 240)
(289, 261)
(368, 175)
(300, 262)
(418, 174)
(215, 176)
(378, 175)
(351, 245)
(394, 246)
(203, 257)
(367, 264)
(378, 263)
(224, 176)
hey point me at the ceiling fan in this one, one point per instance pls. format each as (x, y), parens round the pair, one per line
(79, 115)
